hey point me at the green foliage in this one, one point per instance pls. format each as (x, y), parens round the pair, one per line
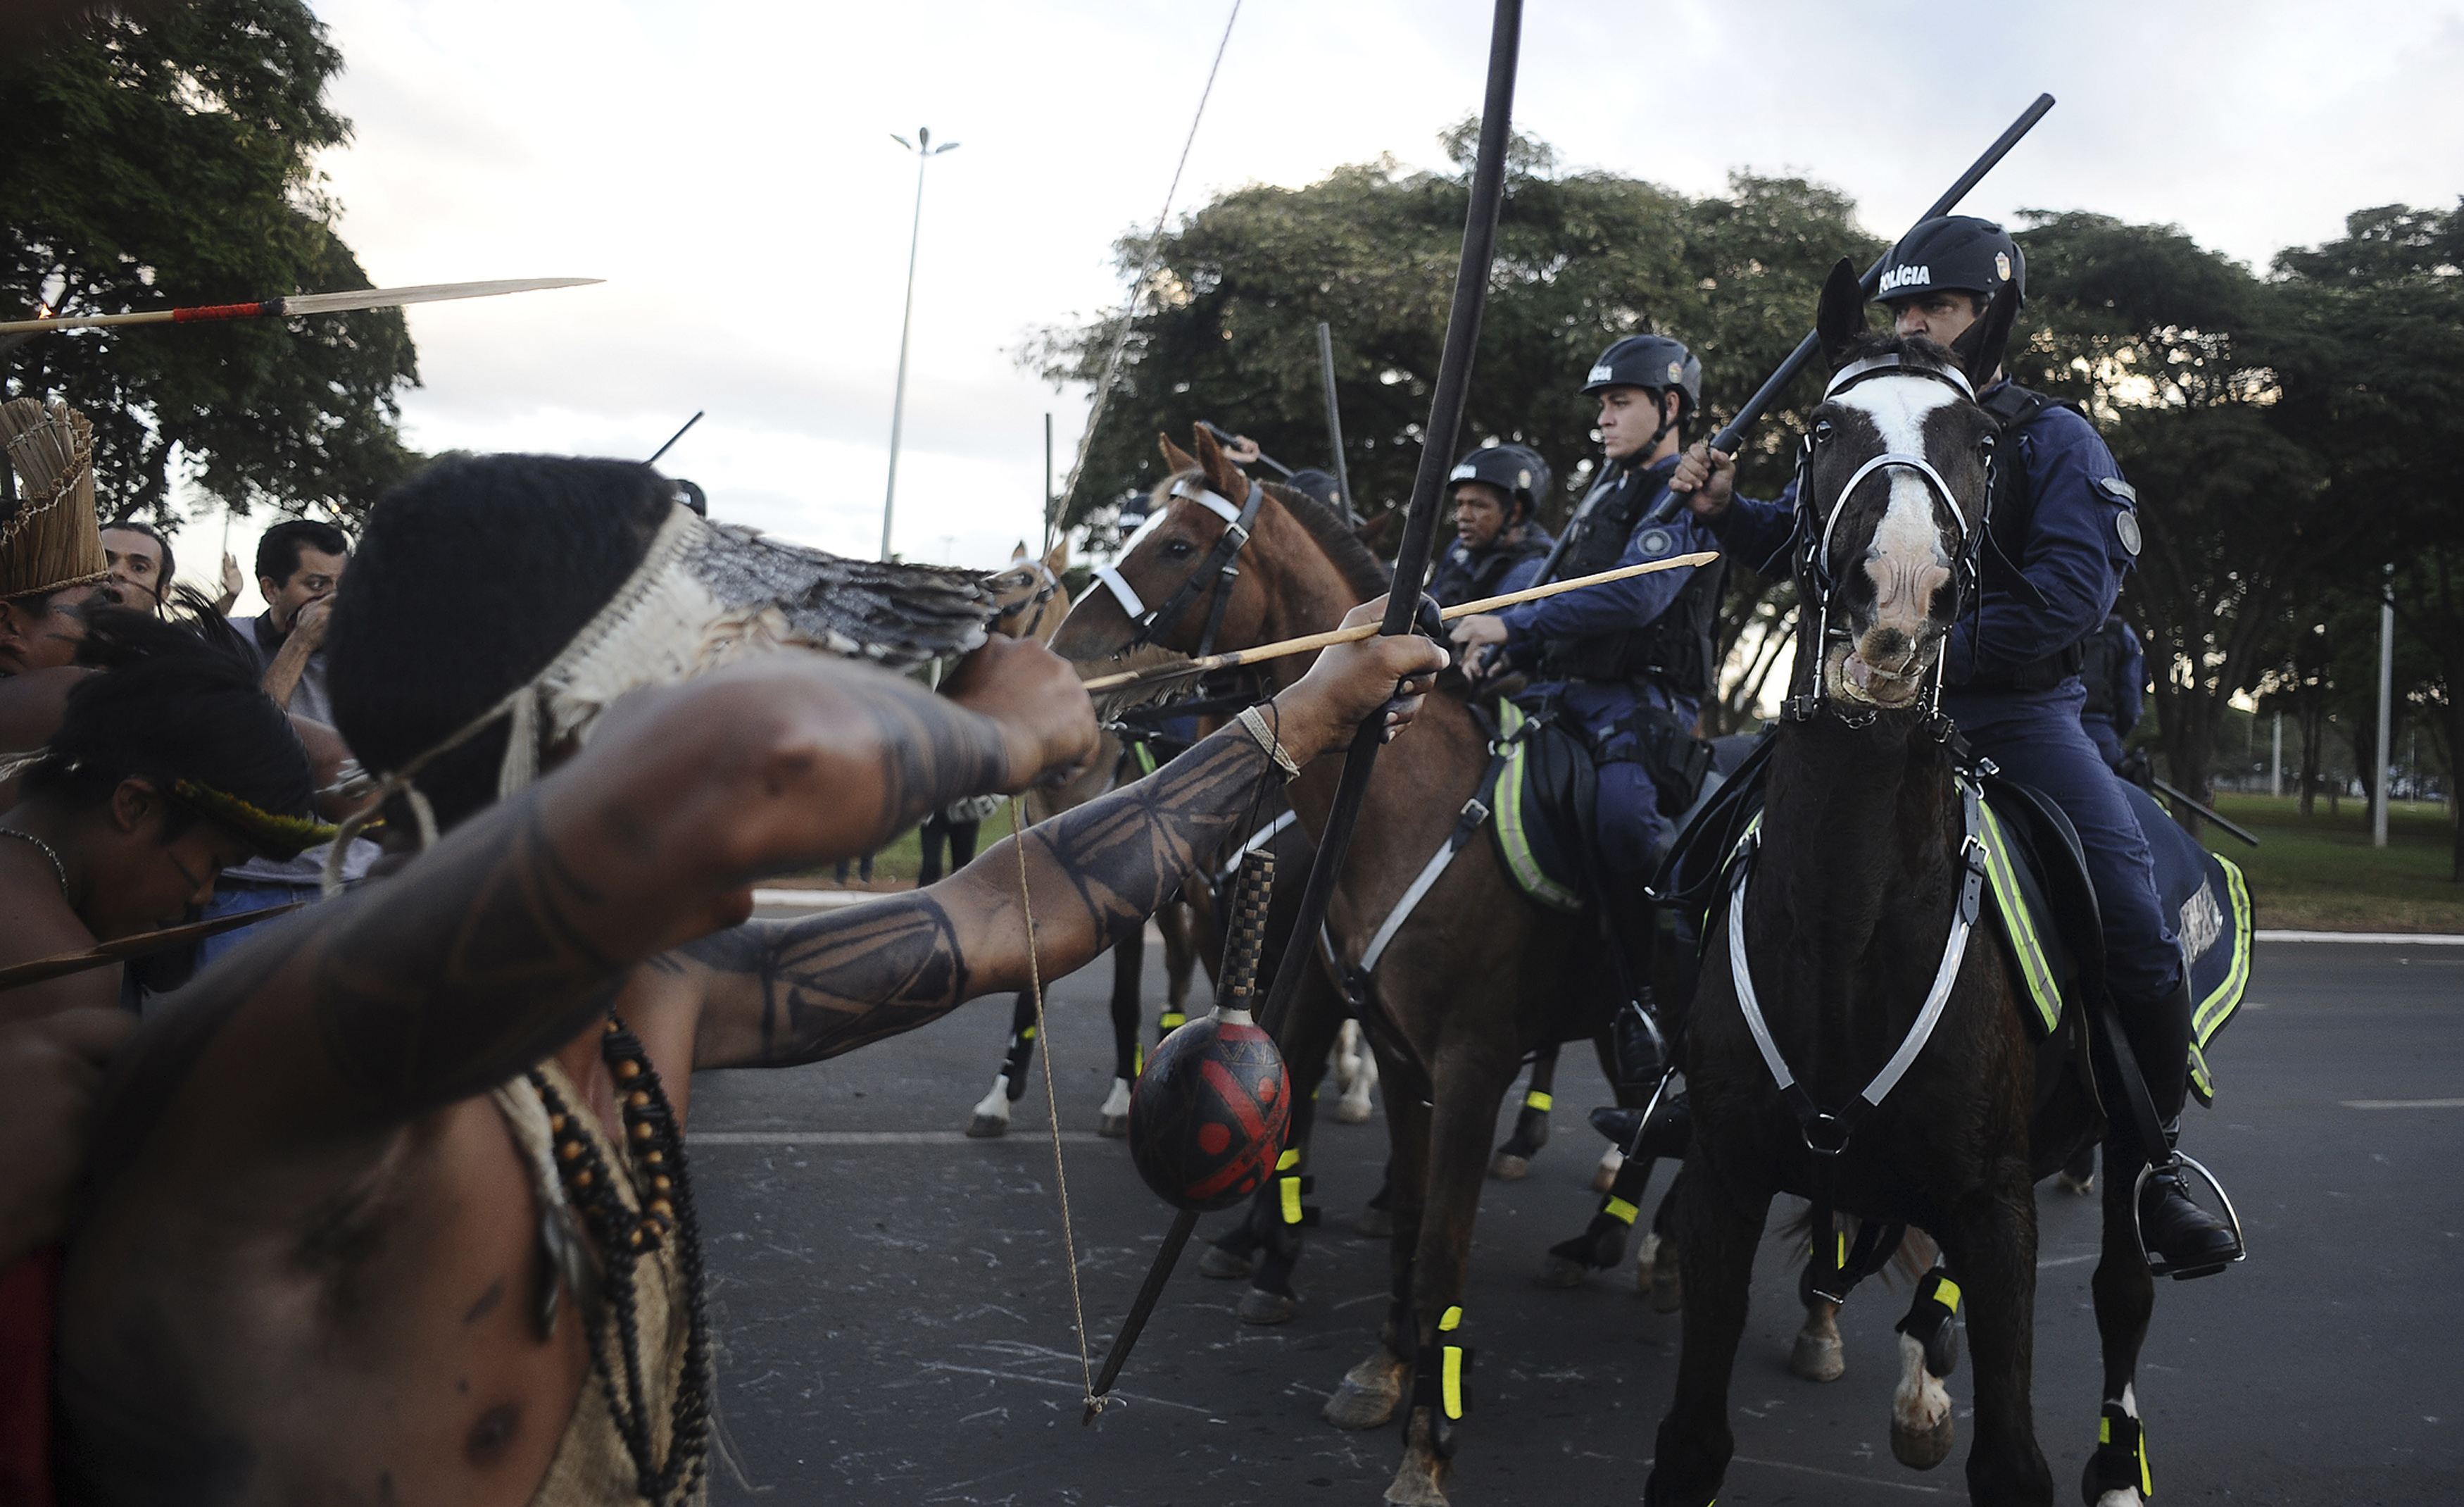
(169, 160)
(1228, 331)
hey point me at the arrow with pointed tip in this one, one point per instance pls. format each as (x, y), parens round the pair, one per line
(298, 304)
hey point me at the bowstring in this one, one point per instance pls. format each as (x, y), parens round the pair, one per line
(1138, 283)
(1052, 1110)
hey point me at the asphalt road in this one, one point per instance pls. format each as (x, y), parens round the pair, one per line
(893, 1309)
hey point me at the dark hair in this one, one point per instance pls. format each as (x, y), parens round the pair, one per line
(277, 553)
(178, 701)
(161, 542)
(470, 578)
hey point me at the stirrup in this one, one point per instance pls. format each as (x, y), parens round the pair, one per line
(2157, 1265)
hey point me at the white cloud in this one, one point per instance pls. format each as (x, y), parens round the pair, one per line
(726, 167)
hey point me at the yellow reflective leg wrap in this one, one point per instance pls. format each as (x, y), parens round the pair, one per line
(1289, 1185)
(1171, 1020)
(1451, 1361)
(2120, 1459)
(1620, 1209)
(1536, 1099)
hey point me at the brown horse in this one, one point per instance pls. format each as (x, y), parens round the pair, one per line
(1475, 978)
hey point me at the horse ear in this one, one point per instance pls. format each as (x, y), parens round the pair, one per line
(1226, 478)
(1056, 559)
(1839, 319)
(1017, 552)
(1175, 458)
(1980, 346)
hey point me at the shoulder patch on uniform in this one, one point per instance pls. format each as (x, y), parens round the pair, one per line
(2120, 491)
(1656, 542)
(2126, 527)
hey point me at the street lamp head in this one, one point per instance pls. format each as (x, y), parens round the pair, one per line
(924, 135)
(945, 146)
(902, 140)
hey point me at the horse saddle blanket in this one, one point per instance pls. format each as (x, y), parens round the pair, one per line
(1543, 793)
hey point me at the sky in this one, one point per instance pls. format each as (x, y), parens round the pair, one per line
(726, 167)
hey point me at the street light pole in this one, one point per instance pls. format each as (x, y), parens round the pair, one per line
(925, 151)
(2386, 689)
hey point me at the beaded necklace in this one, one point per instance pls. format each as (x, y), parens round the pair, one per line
(624, 1236)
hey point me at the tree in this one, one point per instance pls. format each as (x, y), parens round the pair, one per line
(2386, 313)
(2203, 379)
(170, 159)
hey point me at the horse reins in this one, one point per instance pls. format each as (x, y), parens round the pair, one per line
(1215, 574)
(1814, 560)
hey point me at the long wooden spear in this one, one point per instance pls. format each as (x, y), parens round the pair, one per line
(145, 944)
(1308, 642)
(297, 303)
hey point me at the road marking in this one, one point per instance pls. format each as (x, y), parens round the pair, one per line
(2426, 939)
(872, 1138)
(2404, 1103)
(2050, 1263)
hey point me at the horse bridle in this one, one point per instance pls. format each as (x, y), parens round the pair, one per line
(1814, 560)
(1050, 586)
(1217, 572)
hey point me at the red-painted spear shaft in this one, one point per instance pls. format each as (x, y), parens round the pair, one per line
(296, 304)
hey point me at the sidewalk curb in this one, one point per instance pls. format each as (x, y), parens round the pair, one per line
(2424, 938)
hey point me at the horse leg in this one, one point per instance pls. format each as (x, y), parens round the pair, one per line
(1718, 1228)
(1602, 1245)
(1514, 1160)
(2079, 1175)
(1655, 1272)
(991, 1116)
(1355, 1072)
(1128, 977)
(1920, 1426)
(1179, 925)
(1371, 1391)
(1309, 1032)
(2117, 1473)
(1377, 1221)
(1991, 1242)
(1467, 1091)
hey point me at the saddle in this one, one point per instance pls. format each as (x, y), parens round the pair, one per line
(1544, 791)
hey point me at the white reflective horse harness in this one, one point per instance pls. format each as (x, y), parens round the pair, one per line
(1826, 1131)
(1220, 569)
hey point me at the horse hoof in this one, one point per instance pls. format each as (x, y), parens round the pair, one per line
(1369, 1393)
(2080, 1186)
(1819, 1358)
(1113, 1119)
(1556, 1271)
(1258, 1306)
(1112, 1126)
(1656, 1276)
(1375, 1224)
(1222, 1265)
(1507, 1167)
(1353, 1109)
(1604, 1176)
(1921, 1449)
(1420, 1480)
(986, 1127)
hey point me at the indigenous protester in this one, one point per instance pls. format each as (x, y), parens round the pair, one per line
(164, 769)
(300, 564)
(2113, 672)
(2064, 529)
(51, 560)
(395, 1205)
(1497, 547)
(142, 564)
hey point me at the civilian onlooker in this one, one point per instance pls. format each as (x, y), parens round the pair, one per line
(300, 564)
(140, 556)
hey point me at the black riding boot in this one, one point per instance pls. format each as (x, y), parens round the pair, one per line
(2184, 1239)
(1672, 1125)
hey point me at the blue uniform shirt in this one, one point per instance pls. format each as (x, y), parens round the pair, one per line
(1636, 602)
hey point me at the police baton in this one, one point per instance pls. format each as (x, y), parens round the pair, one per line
(1223, 436)
(2182, 797)
(1729, 438)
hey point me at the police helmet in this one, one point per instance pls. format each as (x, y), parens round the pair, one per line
(1515, 470)
(1953, 252)
(1317, 485)
(1648, 361)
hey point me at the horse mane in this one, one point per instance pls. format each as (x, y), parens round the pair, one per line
(1361, 570)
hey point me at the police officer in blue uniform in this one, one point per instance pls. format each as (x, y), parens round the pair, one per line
(2113, 670)
(1628, 663)
(1497, 547)
(2065, 528)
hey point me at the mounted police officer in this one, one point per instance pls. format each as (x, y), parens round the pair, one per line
(2112, 668)
(2065, 528)
(1626, 663)
(1497, 547)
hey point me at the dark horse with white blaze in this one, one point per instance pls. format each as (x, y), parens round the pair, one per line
(1476, 977)
(1845, 933)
